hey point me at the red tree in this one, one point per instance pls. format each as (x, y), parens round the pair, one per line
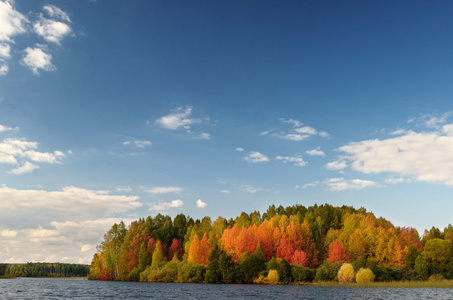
(285, 249)
(337, 253)
(175, 248)
(300, 258)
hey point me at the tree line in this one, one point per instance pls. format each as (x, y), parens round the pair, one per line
(292, 244)
(44, 270)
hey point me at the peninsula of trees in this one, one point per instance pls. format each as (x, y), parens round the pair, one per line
(292, 244)
(44, 270)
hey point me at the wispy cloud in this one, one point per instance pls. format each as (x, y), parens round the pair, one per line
(337, 165)
(296, 160)
(28, 167)
(137, 143)
(250, 189)
(164, 190)
(315, 152)
(255, 156)
(340, 184)
(179, 118)
(163, 206)
(56, 12)
(5, 128)
(297, 133)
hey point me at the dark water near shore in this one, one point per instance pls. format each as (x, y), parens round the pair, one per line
(33, 288)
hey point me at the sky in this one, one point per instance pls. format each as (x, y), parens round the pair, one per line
(116, 110)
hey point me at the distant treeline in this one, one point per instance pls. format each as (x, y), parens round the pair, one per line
(44, 270)
(292, 244)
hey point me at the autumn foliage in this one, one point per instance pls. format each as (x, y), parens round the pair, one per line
(299, 238)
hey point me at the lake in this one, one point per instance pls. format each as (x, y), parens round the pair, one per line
(36, 288)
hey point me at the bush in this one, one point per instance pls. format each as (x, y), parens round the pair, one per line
(436, 277)
(359, 263)
(191, 272)
(364, 276)
(328, 272)
(272, 277)
(346, 273)
(283, 268)
(302, 274)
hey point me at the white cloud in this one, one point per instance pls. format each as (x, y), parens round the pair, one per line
(36, 58)
(19, 151)
(179, 118)
(296, 160)
(307, 185)
(11, 21)
(56, 12)
(340, 184)
(51, 30)
(164, 190)
(71, 203)
(162, 206)
(298, 133)
(393, 180)
(315, 152)
(67, 241)
(295, 137)
(427, 156)
(204, 136)
(448, 129)
(28, 167)
(5, 50)
(255, 156)
(124, 189)
(45, 156)
(306, 130)
(250, 189)
(337, 165)
(225, 191)
(3, 68)
(8, 233)
(436, 121)
(239, 149)
(201, 204)
(296, 123)
(5, 128)
(138, 143)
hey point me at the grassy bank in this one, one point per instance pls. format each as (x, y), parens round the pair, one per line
(447, 284)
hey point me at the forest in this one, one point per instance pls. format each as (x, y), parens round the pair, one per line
(283, 245)
(44, 270)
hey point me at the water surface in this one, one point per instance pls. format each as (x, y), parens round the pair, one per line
(36, 288)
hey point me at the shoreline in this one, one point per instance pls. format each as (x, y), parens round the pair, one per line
(448, 284)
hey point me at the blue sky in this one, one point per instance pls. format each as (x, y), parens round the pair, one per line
(116, 110)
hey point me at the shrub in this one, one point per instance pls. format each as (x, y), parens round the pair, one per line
(301, 273)
(272, 277)
(436, 277)
(346, 273)
(364, 276)
(283, 268)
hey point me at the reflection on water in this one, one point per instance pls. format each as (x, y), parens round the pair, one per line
(35, 288)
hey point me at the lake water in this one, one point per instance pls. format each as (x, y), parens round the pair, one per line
(35, 288)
